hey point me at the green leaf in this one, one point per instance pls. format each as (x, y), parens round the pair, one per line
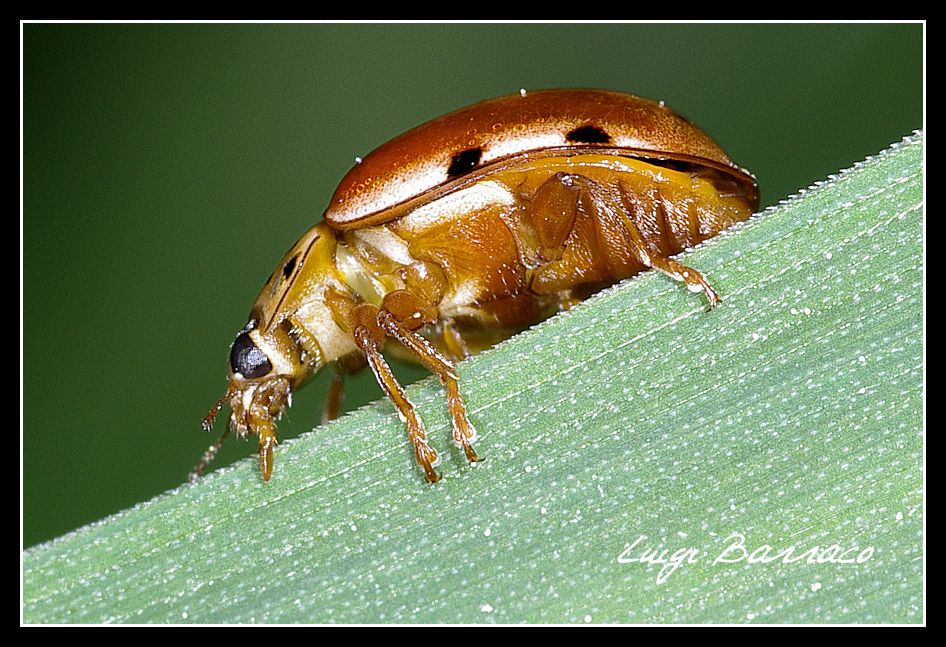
(790, 416)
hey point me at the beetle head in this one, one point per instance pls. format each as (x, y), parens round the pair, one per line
(271, 356)
(264, 370)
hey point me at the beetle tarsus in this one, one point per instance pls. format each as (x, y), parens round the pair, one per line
(471, 455)
(693, 279)
(464, 433)
(428, 458)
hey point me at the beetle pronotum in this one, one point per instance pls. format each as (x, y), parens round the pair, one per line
(465, 230)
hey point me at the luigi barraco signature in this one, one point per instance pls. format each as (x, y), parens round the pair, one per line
(736, 551)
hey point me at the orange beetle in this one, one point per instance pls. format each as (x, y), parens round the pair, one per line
(469, 228)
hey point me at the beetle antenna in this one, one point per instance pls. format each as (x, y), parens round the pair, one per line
(208, 425)
(208, 456)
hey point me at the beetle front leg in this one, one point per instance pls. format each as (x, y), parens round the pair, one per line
(401, 314)
(336, 392)
(464, 433)
(369, 341)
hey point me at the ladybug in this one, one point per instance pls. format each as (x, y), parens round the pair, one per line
(467, 229)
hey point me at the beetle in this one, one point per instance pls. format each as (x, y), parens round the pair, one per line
(467, 229)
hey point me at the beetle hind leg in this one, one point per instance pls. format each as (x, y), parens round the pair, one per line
(618, 218)
(693, 279)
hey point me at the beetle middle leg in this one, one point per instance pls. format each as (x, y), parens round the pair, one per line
(335, 397)
(336, 390)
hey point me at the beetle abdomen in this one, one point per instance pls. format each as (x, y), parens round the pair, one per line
(599, 220)
(551, 230)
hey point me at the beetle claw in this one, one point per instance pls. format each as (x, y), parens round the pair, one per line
(428, 458)
(471, 456)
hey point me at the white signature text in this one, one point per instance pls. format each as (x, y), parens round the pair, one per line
(736, 551)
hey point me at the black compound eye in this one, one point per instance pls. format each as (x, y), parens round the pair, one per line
(247, 359)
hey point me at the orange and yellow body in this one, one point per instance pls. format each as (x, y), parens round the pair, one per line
(470, 228)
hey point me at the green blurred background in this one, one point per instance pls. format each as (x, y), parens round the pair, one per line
(168, 167)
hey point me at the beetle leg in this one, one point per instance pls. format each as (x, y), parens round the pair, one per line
(402, 312)
(607, 200)
(464, 433)
(426, 455)
(694, 280)
(454, 342)
(651, 256)
(553, 212)
(348, 365)
(336, 395)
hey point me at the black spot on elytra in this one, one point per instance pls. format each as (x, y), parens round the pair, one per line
(588, 135)
(289, 267)
(464, 162)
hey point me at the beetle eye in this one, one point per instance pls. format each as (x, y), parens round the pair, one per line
(247, 359)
